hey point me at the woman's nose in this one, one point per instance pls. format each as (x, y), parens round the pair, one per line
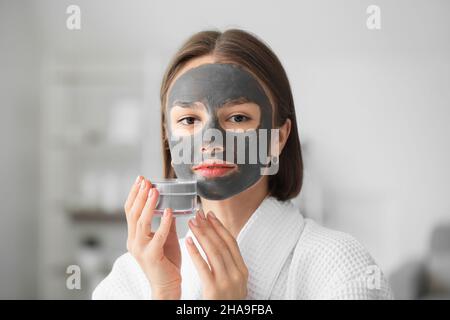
(212, 149)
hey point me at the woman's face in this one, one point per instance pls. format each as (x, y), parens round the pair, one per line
(218, 118)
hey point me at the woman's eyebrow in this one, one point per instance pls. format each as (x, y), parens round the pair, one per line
(200, 105)
(188, 104)
(236, 101)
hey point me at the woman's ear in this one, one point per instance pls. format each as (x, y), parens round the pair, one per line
(285, 130)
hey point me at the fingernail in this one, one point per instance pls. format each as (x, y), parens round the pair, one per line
(143, 184)
(194, 222)
(201, 214)
(166, 212)
(138, 179)
(212, 215)
(189, 240)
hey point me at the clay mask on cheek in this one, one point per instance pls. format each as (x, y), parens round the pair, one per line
(214, 85)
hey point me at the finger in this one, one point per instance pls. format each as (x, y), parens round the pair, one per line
(172, 238)
(144, 223)
(132, 195)
(217, 256)
(215, 237)
(228, 239)
(137, 207)
(163, 231)
(200, 264)
(173, 228)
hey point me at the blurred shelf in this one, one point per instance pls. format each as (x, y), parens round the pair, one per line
(97, 215)
(88, 146)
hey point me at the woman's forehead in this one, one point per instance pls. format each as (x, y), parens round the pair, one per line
(215, 84)
(191, 64)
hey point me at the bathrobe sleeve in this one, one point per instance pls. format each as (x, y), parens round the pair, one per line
(126, 281)
(357, 275)
(329, 264)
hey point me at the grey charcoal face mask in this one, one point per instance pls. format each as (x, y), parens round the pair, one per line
(214, 85)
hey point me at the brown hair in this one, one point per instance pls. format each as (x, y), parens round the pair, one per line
(244, 49)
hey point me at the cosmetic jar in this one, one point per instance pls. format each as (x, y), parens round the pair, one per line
(178, 194)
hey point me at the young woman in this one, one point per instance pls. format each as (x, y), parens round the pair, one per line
(248, 241)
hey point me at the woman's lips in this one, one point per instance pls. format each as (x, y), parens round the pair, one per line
(213, 170)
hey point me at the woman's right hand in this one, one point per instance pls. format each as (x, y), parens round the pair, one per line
(158, 253)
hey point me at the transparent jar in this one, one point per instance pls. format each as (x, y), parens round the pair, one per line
(178, 194)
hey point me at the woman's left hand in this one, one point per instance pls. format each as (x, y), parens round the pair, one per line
(228, 275)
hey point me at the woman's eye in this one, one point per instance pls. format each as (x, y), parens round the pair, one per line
(239, 118)
(187, 121)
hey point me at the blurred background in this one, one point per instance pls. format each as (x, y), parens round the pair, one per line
(80, 120)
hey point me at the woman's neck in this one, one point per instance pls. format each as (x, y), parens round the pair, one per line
(235, 211)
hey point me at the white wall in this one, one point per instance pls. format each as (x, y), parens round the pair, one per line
(19, 130)
(380, 148)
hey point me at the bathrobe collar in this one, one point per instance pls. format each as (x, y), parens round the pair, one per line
(265, 242)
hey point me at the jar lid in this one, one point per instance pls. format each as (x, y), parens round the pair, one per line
(175, 186)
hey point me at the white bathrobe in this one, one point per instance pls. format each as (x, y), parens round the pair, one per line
(288, 257)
